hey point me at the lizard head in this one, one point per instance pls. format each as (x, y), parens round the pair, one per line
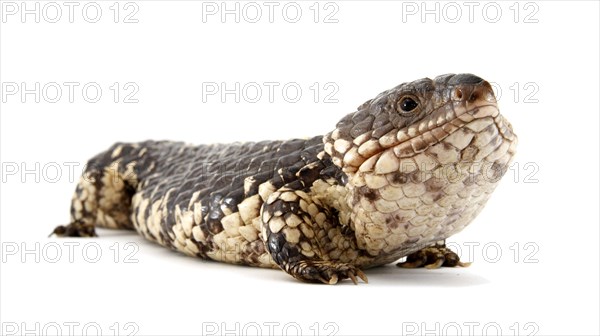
(421, 159)
(413, 118)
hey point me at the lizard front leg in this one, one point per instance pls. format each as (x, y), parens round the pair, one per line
(302, 238)
(434, 256)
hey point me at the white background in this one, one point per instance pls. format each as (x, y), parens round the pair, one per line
(543, 281)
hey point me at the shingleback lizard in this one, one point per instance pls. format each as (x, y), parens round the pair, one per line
(408, 169)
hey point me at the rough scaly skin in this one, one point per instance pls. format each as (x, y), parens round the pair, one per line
(393, 179)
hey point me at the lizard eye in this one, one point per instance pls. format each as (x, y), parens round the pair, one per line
(407, 104)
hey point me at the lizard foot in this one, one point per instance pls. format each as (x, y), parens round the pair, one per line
(433, 257)
(77, 228)
(326, 272)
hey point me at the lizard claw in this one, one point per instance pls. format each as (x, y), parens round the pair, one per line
(326, 272)
(353, 278)
(433, 257)
(77, 228)
(362, 275)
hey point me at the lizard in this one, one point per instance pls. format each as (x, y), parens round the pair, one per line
(395, 178)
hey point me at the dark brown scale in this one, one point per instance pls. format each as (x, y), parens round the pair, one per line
(309, 174)
(435, 184)
(290, 253)
(383, 130)
(369, 194)
(279, 206)
(288, 160)
(381, 120)
(332, 171)
(399, 178)
(233, 198)
(291, 146)
(298, 185)
(362, 127)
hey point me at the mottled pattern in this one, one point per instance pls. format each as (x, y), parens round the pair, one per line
(397, 177)
(201, 200)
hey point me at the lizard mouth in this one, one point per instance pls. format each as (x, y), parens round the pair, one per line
(384, 156)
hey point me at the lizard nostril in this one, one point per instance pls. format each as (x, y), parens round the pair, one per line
(473, 93)
(474, 96)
